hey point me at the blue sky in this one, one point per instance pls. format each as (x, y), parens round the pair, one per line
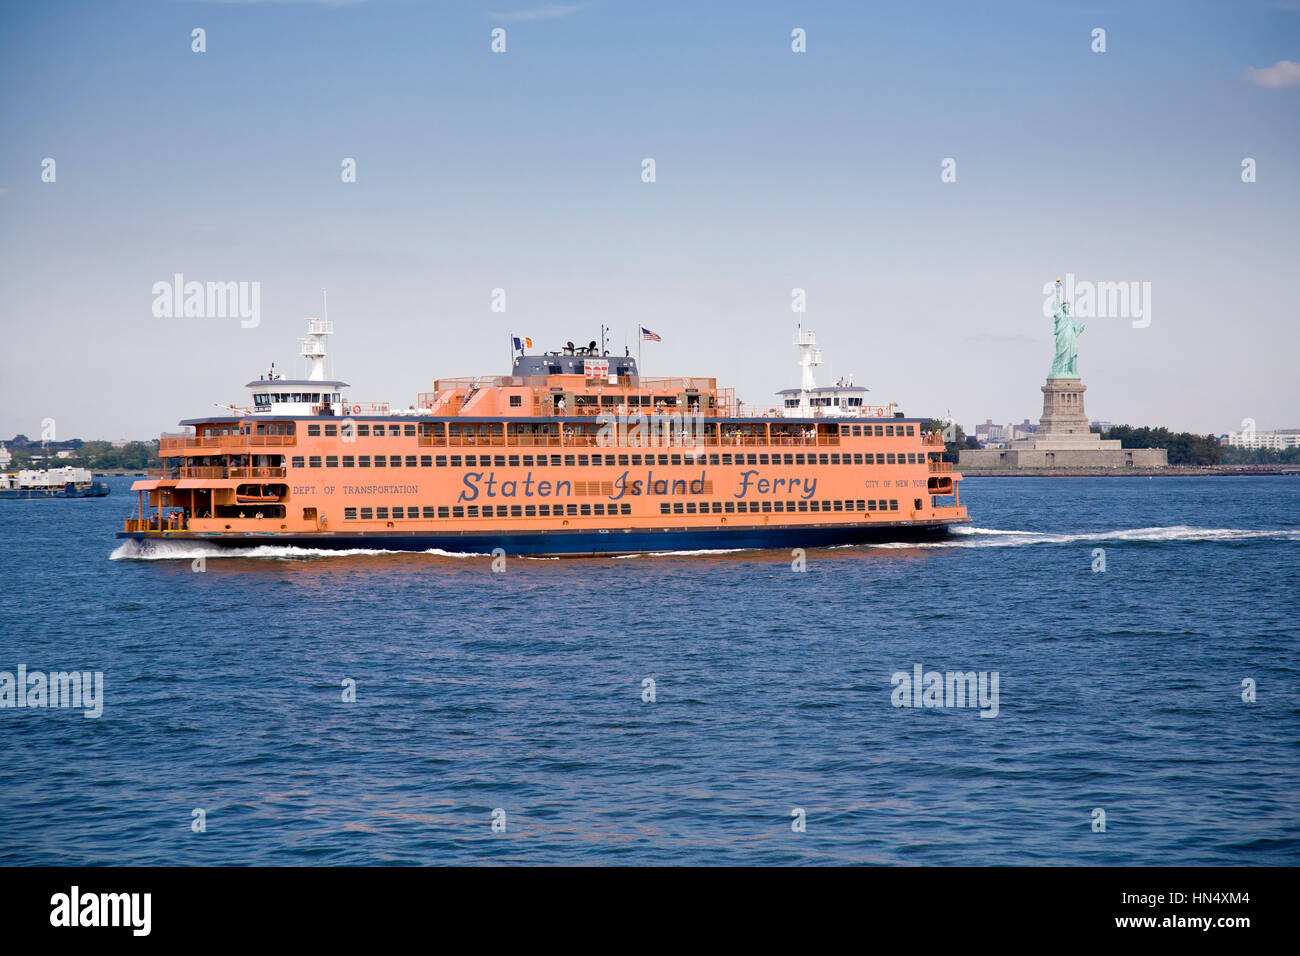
(775, 170)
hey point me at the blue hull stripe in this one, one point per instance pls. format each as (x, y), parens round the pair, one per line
(553, 543)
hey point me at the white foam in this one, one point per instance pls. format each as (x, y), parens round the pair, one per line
(133, 550)
(995, 538)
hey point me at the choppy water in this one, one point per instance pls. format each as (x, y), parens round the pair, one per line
(523, 691)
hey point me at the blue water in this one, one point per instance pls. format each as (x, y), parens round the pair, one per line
(1119, 690)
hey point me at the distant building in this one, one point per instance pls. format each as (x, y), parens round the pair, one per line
(64, 454)
(1279, 439)
(6, 456)
(1102, 427)
(991, 435)
(1025, 429)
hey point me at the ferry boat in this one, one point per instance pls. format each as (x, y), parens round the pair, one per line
(67, 482)
(574, 453)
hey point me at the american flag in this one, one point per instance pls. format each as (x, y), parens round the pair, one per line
(649, 336)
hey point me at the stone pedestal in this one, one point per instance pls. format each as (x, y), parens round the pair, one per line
(1064, 439)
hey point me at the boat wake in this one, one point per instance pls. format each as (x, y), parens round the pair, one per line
(958, 538)
(189, 550)
(998, 538)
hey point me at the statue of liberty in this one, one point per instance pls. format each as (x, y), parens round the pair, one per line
(1065, 363)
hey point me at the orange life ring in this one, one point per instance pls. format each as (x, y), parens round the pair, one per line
(356, 409)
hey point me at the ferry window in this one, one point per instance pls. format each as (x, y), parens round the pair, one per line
(752, 459)
(332, 431)
(313, 431)
(815, 505)
(889, 458)
(626, 509)
(767, 507)
(426, 461)
(367, 514)
(690, 507)
(399, 512)
(762, 459)
(909, 431)
(731, 507)
(349, 514)
(408, 431)
(803, 506)
(622, 459)
(569, 461)
(636, 460)
(582, 460)
(676, 459)
(857, 458)
(530, 511)
(395, 461)
(799, 459)
(455, 461)
(861, 505)
(410, 461)
(297, 461)
(363, 461)
(458, 511)
(835, 459)
(889, 430)
(663, 508)
(516, 401)
(528, 461)
(443, 511)
(544, 510)
(331, 461)
(380, 461)
(893, 504)
(787, 458)
(857, 430)
(541, 461)
(598, 509)
(555, 461)
(313, 461)
(839, 505)
(726, 459)
(349, 461)
(778, 505)
(677, 508)
(381, 512)
(663, 459)
(363, 431)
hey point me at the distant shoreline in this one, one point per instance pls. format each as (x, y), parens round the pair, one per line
(1172, 471)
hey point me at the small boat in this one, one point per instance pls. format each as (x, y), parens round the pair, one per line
(64, 482)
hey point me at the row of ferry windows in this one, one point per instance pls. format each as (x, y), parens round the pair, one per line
(538, 461)
(486, 511)
(879, 430)
(767, 507)
(600, 509)
(364, 430)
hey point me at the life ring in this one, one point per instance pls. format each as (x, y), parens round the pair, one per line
(356, 409)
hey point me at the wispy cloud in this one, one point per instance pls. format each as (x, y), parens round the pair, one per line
(1281, 73)
(321, 3)
(550, 11)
